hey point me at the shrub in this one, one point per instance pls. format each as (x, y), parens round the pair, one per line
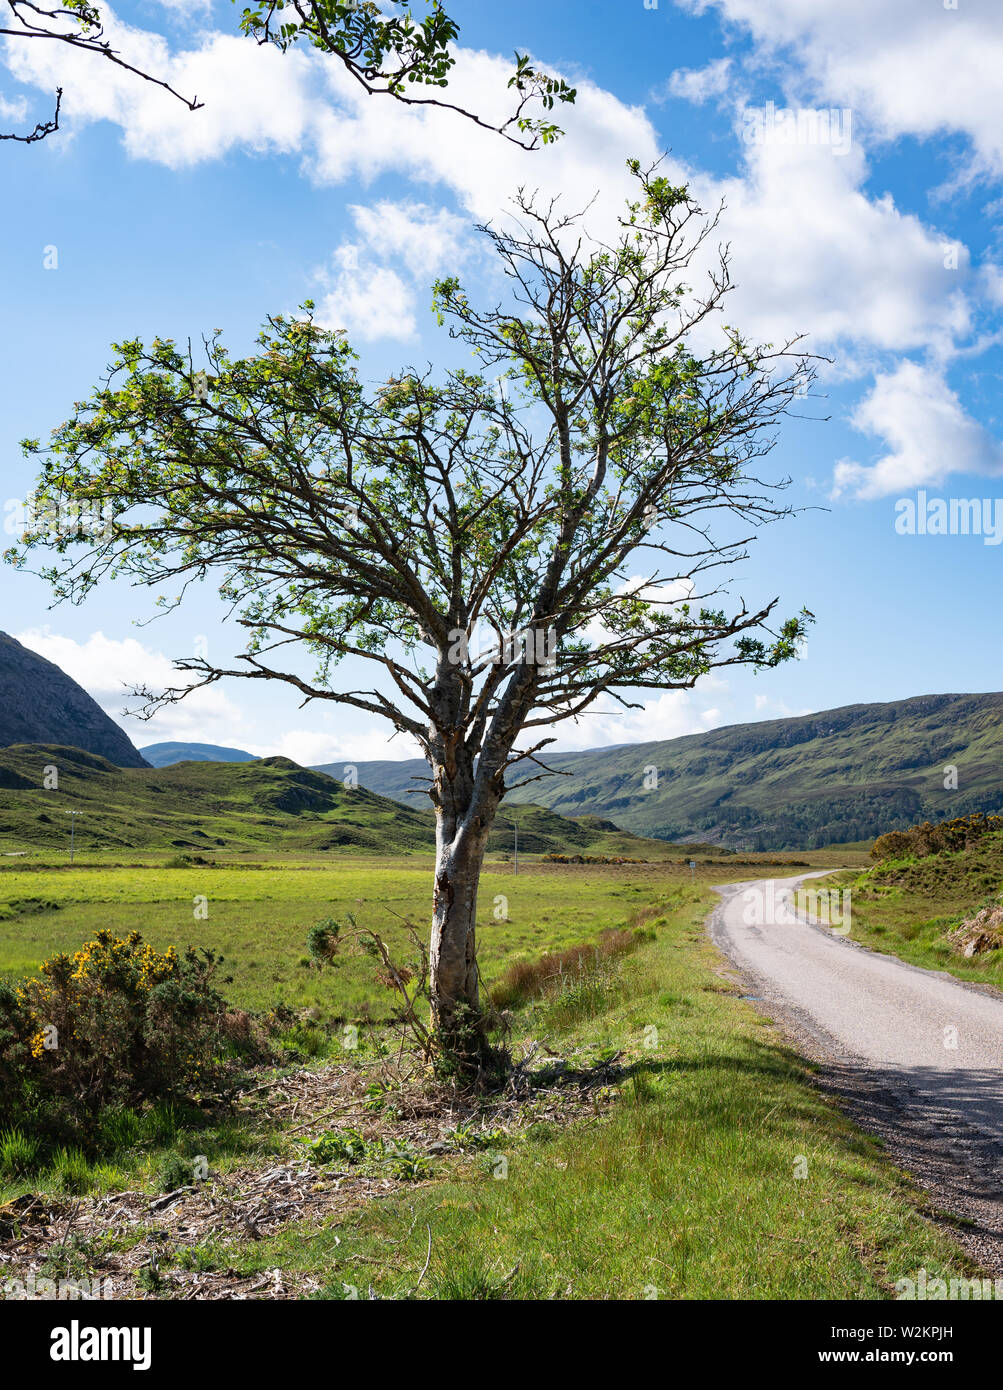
(322, 941)
(174, 1172)
(306, 1039)
(119, 1128)
(950, 835)
(115, 1024)
(337, 1146)
(14, 1034)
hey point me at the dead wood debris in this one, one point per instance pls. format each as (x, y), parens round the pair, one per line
(116, 1236)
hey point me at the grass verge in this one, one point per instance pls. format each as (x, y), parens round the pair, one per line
(720, 1173)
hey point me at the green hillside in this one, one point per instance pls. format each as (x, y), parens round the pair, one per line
(269, 804)
(167, 754)
(841, 775)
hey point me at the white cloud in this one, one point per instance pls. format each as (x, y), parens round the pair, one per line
(369, 298)
(368, 301)
(301, 102)
(256, 98)
(671, 715)
(911, 69)
(428, 240)
(697, 84)
(15, 110)
(106, 667)
(927, 431)
(813, 254)
(313, 748)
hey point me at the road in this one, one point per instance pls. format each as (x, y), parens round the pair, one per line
(934, 1043)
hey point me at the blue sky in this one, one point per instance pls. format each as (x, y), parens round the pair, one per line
(881, 243)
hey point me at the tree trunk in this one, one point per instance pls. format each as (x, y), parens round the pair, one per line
(453, 982)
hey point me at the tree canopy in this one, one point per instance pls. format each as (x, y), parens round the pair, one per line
(503, 546)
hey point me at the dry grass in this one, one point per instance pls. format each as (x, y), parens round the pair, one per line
(525, 980)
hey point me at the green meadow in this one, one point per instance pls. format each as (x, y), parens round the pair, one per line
(713, 1167)
(259, 918)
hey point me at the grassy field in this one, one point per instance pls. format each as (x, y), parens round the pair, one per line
(711, 1169)
(259, 916)
(720, 1172)
(270, 806)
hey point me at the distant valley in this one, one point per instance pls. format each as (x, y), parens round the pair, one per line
(842, 775)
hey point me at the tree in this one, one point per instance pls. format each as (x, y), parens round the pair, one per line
(78, 24)
(474, 536)
(384, 48)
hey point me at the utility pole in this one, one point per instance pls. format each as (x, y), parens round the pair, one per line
(515, 827)
(73, 825)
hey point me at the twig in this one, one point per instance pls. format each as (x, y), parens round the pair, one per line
(70, 1220)
(425, 1267)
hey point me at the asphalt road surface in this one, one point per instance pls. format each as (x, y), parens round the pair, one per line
(936, 1043)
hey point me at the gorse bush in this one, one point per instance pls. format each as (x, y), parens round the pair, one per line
(921, 840)
(117, 1023)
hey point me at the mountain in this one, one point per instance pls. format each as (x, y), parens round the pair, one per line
(267, 804)
(841, 775)
(39, 703)
(167, 754)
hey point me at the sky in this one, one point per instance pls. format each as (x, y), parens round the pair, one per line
(858, 152)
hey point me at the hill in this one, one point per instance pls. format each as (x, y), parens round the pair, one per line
(841, 775)
(268, 804)
(939, 908)
(39, 703)
(167, 754)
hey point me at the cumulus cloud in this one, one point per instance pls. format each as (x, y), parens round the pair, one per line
(15, 110)
(928, 434)
(368, 301)
(427, 240)
(313, 748)
(256, 98)
(304, 103)
(911, 69)
(698, 84)
(670, 715)
(106, 667)
(370, 298)
(812, 253)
